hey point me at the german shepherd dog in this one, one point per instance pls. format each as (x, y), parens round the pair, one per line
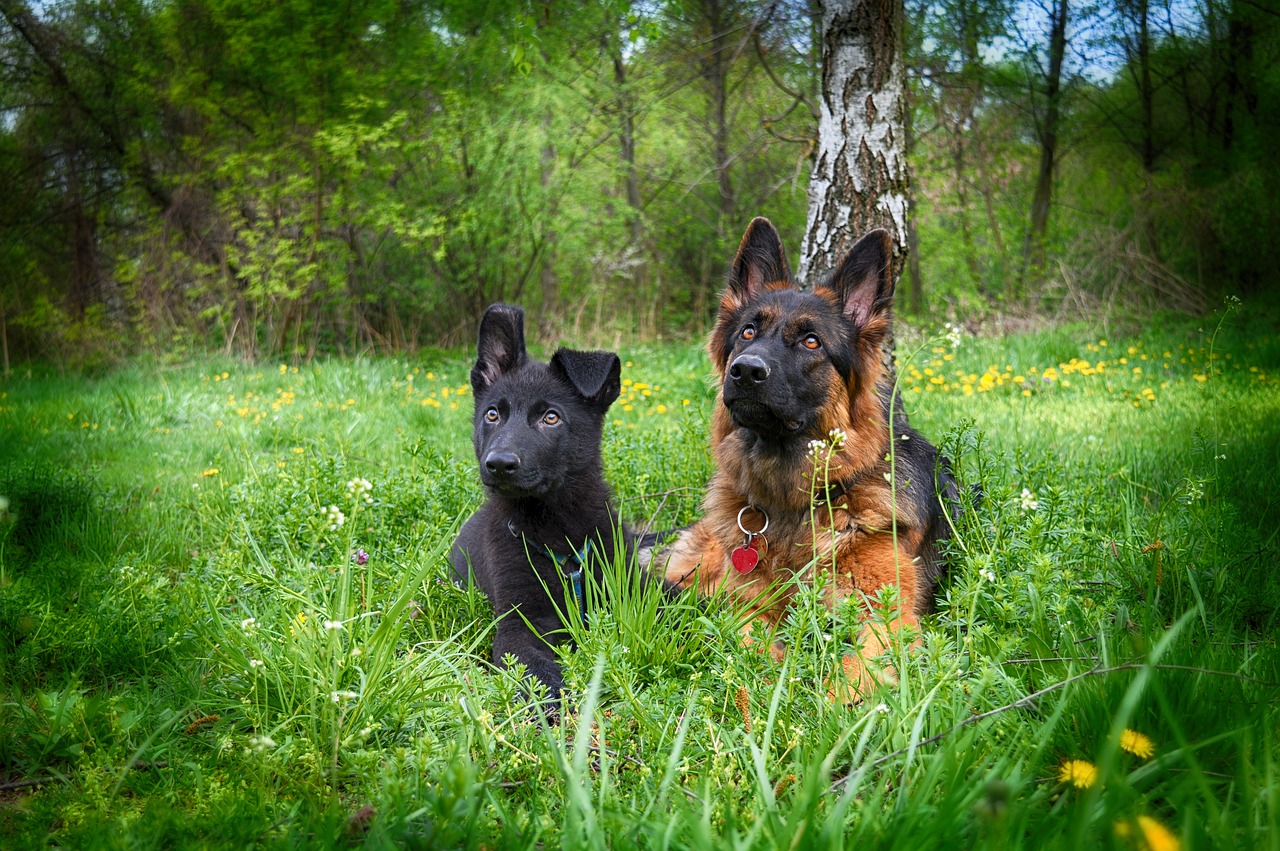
(548, 520)
(801, 436)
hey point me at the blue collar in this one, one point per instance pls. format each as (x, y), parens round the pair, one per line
(578, 558)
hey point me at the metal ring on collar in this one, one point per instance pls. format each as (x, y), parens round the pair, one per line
(744, 529)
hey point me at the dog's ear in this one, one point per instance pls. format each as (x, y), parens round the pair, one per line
(760, 261)
(500, 347)
(595, 375)
(863, 282)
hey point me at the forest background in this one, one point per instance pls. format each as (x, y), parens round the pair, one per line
(302, 177)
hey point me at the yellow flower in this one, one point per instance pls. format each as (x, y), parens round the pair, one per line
(1137, 744)
(212, 471)
(1156, 837)
(1159, 837)
(1078, 772)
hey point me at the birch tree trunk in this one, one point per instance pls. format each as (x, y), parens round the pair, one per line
(1047, 131)
(859, 178)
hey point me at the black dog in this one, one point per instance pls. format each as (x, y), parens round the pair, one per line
(548, 521)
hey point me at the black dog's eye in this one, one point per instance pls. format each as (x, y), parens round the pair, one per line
(491, 415)
(749, 333)
(551, 418)
(812, 342)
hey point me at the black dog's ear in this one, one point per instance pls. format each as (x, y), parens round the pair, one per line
(760, 261)
(863, 283)
(596, 375)
(500, 347)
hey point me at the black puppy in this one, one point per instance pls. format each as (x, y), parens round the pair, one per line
(548, 521)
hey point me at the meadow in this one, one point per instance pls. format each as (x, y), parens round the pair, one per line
(225, 619)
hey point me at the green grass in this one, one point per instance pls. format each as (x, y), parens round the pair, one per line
(189, 655)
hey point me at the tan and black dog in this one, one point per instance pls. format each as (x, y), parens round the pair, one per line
(801, 436)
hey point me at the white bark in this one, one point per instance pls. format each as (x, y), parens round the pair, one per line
(859, 178)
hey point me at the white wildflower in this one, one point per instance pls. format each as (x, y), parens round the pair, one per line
(261, 743)
(989, 575)
(340, 696)
(256, 663)
(1028, 500)
(248, 624)
(359, 489)
(883, 709)
(335, 517)
(333, 625)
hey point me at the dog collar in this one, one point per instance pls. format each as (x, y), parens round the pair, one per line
(575, 577)
(578, 558)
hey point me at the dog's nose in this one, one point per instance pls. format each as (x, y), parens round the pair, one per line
(748, 369)
(502, 463)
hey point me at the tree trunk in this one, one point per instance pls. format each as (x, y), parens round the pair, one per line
(627, 141)
(1033, 249)
(548, 281)
(993, 224)
(4, 339)
(716, 74)
(1146, 97)
(859, 180)
(959, 129)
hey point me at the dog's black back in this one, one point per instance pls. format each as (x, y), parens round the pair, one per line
(537, 433)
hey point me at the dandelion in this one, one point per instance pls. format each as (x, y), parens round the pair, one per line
(333, 626)
(1078, 772)
(1156, 836)
(335, 517)
(1028, 500)
(209, 473)
(360, 557)
(1137, 744)
(248, 624)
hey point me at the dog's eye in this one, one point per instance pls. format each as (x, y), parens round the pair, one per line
(491, 415)
(812, 342)
(749, 333)
(551, 418)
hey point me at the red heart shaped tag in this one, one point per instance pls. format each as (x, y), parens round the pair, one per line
(744, 559)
